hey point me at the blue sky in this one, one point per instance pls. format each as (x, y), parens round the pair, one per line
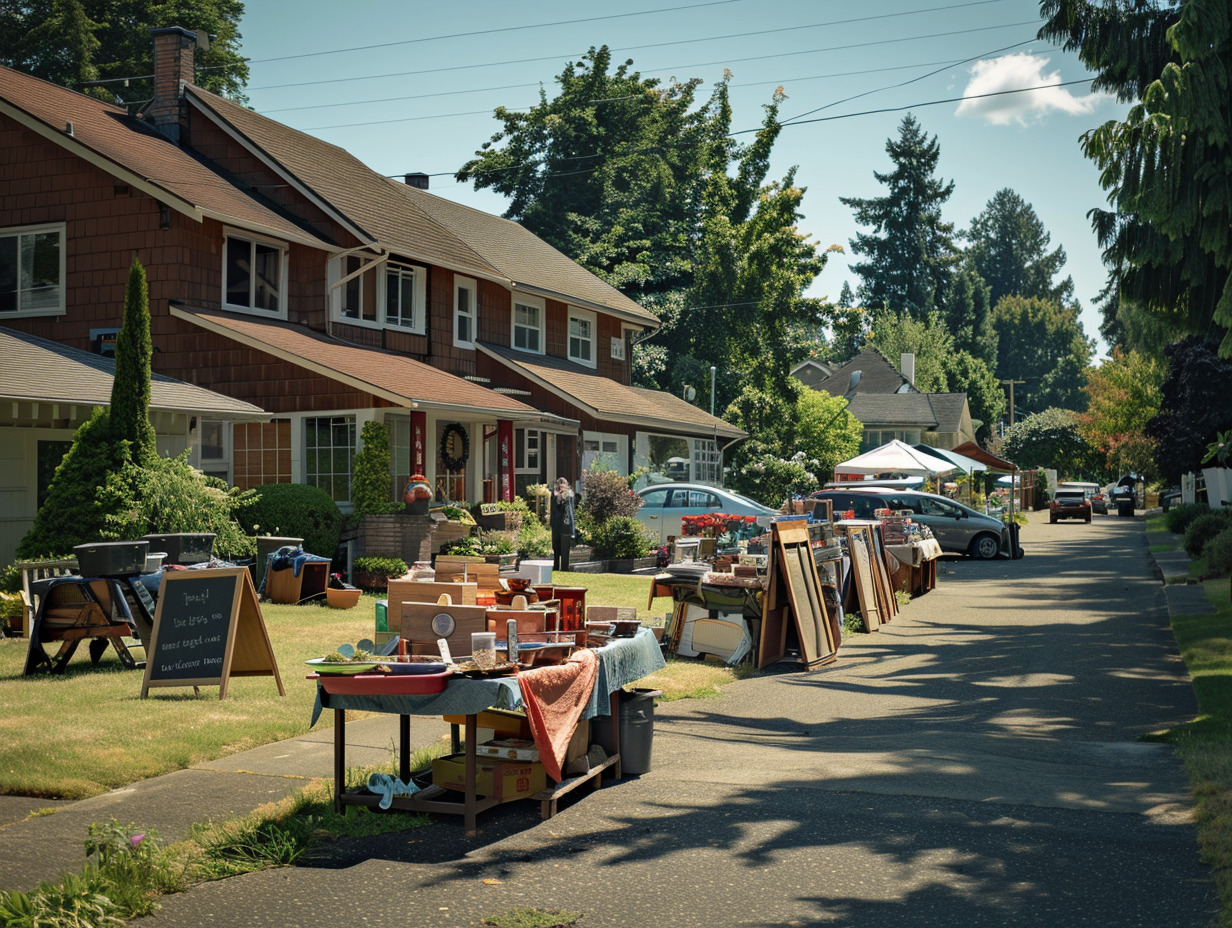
(411, 87)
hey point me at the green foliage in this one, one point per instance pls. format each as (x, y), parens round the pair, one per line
(1218, 554)
(1124, 394)
(534, 540)
(1041, 490)
(1042, 343)
(467, 546)
(910, 253)
(130, 388)
(1049, 439)
(1008, 247)
(606, 495)
(10, 579)
(763, 475)
(1165, 164)
(295, 510)
(169, 495)
(852, 623)
(1204, 528)
(968, 314)
(825, 431)
(1193, 406)
(77, 505)
(1180, 515)
(621, 537)
(70, 41)
(370, 477)
(381, 565)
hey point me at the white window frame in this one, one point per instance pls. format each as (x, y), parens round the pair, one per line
(339, 270)
(522, 443)
(583, 315)
(419, 289)
(530, 302)
(17, 232)
(283, 262)
(469, 285)
(349, 419)
(610, 445)
(214, 466)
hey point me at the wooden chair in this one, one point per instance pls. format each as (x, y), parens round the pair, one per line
(31, 573)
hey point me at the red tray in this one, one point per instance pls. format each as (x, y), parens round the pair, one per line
(382, 684)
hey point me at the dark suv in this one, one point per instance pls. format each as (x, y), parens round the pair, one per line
(1069, 504)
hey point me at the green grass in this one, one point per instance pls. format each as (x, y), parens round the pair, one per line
(1205, 744)
(89, 731)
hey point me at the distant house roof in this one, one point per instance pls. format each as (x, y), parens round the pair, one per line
(42, 371)
(394, 377)
(419, 225)
(812, 371)
(606, 399)
(885, 410)
(133, 151)
(948, 408)
(877, 375)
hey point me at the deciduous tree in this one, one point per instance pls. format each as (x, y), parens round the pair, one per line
(1193, 406)
(1124, 394)
(1042, 343)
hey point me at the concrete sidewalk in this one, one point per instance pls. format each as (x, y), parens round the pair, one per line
(976, 762)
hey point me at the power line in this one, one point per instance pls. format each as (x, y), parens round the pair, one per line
(637, 48)
(466, 35)
(731, 61)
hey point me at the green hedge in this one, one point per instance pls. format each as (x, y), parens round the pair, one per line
(295, 510)
(1205, 527)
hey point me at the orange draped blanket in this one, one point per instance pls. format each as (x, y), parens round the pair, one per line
(555, 698)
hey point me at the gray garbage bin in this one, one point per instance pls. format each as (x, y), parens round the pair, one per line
(636, 730)
(1125, 504)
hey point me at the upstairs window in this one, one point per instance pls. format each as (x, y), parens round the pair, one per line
(528, 326)
(357, 299)
(464, 312)
(32, 271)
(582, 337)
(254, 275)
(404, 297)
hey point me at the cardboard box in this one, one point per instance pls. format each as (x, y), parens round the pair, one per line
(505, 723)
(502, 780)
(509, 749)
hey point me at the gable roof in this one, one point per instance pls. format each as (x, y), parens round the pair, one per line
(604, 398)
(133, 151)
(395, 377)
(949, 408)
(885, 410)
(877, 375)
(416, 224)
(43, 371)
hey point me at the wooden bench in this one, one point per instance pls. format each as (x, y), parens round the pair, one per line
(32, 572)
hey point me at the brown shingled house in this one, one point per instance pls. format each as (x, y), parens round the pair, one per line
(286, 274)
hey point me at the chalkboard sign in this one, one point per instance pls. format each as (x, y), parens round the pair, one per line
(207, 629)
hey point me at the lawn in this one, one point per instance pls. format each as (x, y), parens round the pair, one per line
(89, 731)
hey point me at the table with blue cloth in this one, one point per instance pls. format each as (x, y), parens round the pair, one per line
(621, 661)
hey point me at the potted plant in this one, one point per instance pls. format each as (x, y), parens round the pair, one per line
(373, 573)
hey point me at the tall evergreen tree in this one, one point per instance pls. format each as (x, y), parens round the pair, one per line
(1167, 239)
(910, 252)
(130, 390)
(1008, 246)
(968, 315)
(1048, 351)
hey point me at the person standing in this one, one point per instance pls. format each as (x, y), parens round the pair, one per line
(562, 524)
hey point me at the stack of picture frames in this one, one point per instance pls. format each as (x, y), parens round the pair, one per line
(870, 575)
(794, 596)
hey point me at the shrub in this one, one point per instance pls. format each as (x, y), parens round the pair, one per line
(371, 480)
(1178, 517)
(295, 510)
(383, 565)
(534, 540)
(1219, 554)
(606, 495)
(621, 537)
(1204, 528)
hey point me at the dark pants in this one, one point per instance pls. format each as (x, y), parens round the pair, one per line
(561, 543)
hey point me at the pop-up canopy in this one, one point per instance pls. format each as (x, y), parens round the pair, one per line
(896, 457)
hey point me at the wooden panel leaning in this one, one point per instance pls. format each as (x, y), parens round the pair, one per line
(32, 571)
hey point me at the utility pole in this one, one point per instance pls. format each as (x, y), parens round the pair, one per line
(1011, 385)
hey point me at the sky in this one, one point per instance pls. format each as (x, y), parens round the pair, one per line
(411, 87)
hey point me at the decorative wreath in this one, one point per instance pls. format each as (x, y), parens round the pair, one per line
(454, 464)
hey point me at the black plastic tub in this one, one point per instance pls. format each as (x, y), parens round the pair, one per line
(183, 548)
(112, 558)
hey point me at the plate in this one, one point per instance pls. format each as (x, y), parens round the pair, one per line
(412, 667)
(336, 668)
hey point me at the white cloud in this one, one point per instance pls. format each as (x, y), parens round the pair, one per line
(1013, 72)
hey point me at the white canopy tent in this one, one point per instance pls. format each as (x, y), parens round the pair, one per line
(965, 464)
(896, 457)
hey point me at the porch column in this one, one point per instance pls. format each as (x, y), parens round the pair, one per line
(419, 441)
(504, 451)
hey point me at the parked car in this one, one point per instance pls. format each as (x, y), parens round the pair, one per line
(1169, 498)
(959, 529)
(664, 504)
(1094, 494)
(1069, 504)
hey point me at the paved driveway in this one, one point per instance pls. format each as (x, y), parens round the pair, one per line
(976, 762)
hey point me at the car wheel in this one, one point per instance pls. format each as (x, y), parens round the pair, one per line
(985, 547)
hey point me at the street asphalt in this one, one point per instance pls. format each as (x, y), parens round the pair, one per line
(975, 762)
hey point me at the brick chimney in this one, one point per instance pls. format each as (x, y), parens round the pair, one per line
(174, 49)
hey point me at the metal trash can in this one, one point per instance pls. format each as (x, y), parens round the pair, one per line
(636, 730)
(1016, 550)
